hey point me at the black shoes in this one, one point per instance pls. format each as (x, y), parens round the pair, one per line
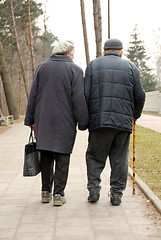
(94, 196)
(115, 199)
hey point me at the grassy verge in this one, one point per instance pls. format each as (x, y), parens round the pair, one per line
(148, 158)
(152, 114)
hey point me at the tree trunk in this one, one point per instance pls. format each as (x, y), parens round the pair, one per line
(97, 26)
(7, 86)
(18, 47)
(30, 37)
(109, 20)
(0, 99)
(44, 40)
(45, 31)
(85, 31)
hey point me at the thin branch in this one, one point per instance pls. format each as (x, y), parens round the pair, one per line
(30, 37)
(85, 31)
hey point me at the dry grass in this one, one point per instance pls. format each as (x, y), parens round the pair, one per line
(148, 158)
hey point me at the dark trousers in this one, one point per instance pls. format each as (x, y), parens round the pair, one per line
(102, 143)
(54, 168)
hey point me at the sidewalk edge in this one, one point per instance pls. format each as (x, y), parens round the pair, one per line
(146, 190)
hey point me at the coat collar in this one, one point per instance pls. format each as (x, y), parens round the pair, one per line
(63, 58)
(112, 53)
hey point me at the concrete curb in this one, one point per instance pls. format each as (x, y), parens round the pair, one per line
(146, 190)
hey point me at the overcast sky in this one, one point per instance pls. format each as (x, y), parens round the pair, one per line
(65, 22)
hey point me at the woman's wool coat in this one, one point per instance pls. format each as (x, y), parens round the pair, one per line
(57, 104)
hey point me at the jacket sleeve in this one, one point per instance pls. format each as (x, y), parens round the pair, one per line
(139, 94)
(87, 82)
(29, 117)
(78, 99)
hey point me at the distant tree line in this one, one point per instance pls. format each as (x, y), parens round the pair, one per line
(23, 45)
(137, 54)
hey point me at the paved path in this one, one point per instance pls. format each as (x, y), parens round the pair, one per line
(24, 217)
(151, 122)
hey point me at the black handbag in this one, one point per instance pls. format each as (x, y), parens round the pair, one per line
(31, 159)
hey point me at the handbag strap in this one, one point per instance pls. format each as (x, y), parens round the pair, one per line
(31, 136)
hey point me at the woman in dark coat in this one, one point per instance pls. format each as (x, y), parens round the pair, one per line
(56, 105)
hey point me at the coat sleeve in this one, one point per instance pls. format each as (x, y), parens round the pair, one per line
(29, 117)
(139, 94)
(87, 83)
(78, 99)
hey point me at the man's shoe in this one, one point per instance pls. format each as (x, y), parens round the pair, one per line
(115, 199)
(58, 200)
(94, 196)
(46, 197)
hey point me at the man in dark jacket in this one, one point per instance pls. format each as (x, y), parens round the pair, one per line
(56, 104)
(115, 96)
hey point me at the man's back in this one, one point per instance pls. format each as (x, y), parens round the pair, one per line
(110, 86)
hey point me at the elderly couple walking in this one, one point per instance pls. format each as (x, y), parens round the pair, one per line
(105, 102)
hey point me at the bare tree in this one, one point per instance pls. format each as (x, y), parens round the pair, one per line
(97, 26)
(0, 101)
(30, 37)
(85, 31)
(109, 19)
(45, 31)
(7, 86)
(157, 54)
(18, 47)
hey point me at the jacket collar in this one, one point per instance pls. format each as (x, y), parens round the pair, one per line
(112, 53)
(59, 57)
